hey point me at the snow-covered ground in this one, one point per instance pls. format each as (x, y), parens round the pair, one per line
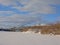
(19, 38)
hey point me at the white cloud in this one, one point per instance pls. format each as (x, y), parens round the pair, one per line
(3, 13)
(35, 6)
(17, 19)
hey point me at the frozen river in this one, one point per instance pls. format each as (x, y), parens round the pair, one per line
(19, 38)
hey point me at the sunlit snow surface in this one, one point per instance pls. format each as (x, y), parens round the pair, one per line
(24, 38)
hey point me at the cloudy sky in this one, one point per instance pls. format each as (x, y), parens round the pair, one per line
(28, 12)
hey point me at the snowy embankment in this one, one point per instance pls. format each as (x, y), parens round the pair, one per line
(21, 38)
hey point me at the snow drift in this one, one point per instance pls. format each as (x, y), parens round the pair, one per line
(21, 38)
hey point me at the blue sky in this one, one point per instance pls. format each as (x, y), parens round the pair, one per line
(24, 12)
